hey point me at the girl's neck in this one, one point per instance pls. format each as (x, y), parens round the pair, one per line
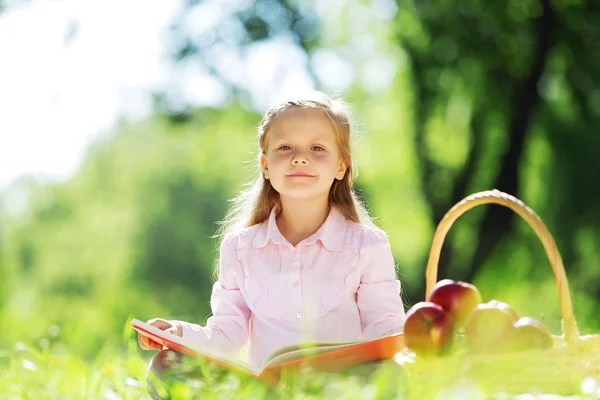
(300, 219)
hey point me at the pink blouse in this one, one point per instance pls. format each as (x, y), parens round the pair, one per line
(339, 284)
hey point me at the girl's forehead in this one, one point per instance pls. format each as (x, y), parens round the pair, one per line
(302, 122)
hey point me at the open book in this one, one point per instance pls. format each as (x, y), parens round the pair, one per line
(330, 357)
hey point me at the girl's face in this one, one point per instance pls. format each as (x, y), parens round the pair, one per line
(302, 157)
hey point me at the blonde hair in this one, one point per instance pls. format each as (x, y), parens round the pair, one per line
(253, 205)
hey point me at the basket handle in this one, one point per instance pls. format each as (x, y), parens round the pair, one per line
(569, 325)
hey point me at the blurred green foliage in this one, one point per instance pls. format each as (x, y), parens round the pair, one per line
(130, 234)
(483, 95)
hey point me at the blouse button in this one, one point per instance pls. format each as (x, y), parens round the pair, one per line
(295, 283)
(299, 315)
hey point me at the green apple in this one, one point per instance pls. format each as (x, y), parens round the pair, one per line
(490, 327)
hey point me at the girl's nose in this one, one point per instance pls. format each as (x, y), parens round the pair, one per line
(299, 158)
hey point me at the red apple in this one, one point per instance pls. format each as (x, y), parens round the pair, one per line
(429, 329)
(456, 297)
(490, 327)
(531, 334)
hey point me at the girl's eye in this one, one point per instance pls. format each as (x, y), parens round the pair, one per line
(285, 147)
(318, 148)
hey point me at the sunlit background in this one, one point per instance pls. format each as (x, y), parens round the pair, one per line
(126, 125)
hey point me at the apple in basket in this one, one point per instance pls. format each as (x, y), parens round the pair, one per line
(531, 334)
(490, 327)
(429, 329)
(456, 297)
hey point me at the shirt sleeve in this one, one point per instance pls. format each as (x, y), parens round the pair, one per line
(227, 329)
(378, 296)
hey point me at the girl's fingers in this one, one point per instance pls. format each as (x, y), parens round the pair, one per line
(173, 331)
(154, 345)
(160, 323)
(147, 343)
(172, 327)
(143, 342)
(176, 329)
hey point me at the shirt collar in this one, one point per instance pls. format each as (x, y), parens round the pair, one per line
(331, 233)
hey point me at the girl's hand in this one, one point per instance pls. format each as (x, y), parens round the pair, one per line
(164, 325)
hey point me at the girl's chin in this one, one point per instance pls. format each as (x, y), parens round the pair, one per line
(302, 194)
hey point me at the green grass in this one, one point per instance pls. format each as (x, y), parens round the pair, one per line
(55, 371)
(58, 373)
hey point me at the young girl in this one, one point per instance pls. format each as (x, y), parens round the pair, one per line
(300, 258)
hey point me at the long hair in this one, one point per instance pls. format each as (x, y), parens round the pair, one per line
(253, 205)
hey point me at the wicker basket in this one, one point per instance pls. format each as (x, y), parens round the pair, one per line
(574, 360)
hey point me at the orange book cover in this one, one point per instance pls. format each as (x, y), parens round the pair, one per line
(329, 357)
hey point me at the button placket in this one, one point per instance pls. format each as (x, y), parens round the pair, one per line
(297, 264)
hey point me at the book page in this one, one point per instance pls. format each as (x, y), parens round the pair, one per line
(340, 353)
(296, 352)
(168, 339)
(306, 348)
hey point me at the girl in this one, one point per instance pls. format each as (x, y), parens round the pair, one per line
(299, 255)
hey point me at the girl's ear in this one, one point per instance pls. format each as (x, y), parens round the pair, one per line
(264, 165)
(341, 171)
